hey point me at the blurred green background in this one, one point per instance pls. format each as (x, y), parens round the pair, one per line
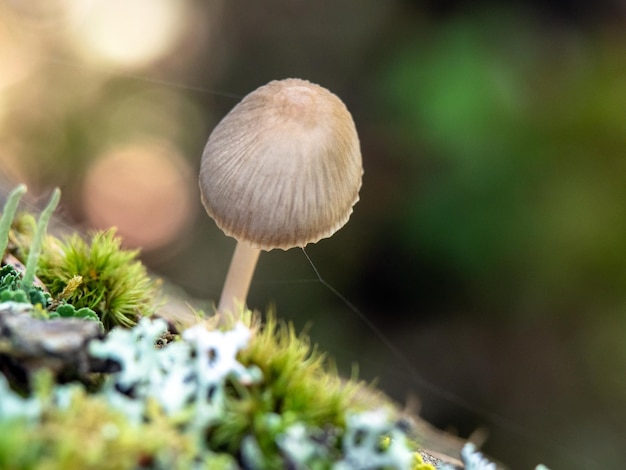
(489, 245)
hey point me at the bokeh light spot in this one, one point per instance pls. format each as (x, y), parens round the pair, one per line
(145, 190)
(130, 34)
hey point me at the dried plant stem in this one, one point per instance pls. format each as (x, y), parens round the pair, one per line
(238, 278)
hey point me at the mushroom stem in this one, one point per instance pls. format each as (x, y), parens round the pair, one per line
(238, 278)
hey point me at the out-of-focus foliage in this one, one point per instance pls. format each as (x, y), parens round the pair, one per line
(526, 149)
(489, 243)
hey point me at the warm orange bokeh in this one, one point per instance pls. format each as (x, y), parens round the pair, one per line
(143, 189)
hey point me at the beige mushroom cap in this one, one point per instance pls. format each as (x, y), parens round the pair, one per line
(283, 168)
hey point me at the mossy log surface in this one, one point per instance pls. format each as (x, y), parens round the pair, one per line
(29, 344)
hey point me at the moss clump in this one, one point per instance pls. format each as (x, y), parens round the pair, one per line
(94, 273)
(299, 385)
(114, 284)
(301, 378)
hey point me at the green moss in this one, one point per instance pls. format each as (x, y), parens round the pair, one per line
(17, 449)
(90, 434)
(96, 274)
(114, 284)
(299, 385)
(302, 380)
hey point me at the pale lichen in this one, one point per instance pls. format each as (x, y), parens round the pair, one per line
(363, 446)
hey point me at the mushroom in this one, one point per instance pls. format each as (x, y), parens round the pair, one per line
(281, 170)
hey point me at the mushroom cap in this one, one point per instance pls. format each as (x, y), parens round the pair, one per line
(283, 168)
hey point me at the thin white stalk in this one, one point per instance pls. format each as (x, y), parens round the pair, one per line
(238, 279)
